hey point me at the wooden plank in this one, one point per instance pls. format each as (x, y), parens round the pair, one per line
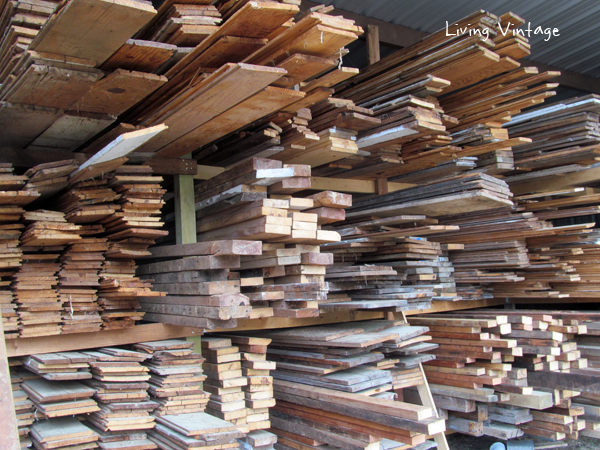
(120, 147)
(74, 30)
(118, 91)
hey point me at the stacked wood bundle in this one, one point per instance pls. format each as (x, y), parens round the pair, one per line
(194, 431)
(197, 278)
(119, 381)
(24, 408)
(34, 284)
(20, 22)
(78, 280)
(59, 366)
(175, 377)
(50, 178)
(258, 393)
(453, 195)
(184, 25)
(491, 248)
(484, 108)
(402, 92)
(258, 440)
(538, 383)
(225, 381)
(473, 371)
(291, 280)
(563, 134)
(88, 201)
(63, 433)
(60, 398)
(387, 262)
(11, 253)
(294, 49)
(339, 369)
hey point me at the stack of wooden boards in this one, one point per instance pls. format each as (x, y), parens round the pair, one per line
(40, 307)
(247, 409)
(13, 197)
(529, 359)
(197, 279)
(563, 134)
(73, 270)
(176, 377)
(281, 54)
(332, 387)
(24, 408)
(258, 393)
(194, 431)
(120, 383)
(388, 263)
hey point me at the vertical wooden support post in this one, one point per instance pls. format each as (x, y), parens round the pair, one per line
(185, 211)
(9, 433)
(373, 44)
(381, 186)
(185, 222)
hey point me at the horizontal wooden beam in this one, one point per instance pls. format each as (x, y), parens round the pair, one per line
(159, 331)
(108, 338)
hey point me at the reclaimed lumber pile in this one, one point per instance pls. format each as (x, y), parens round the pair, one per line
(78, 280)
(24, 408)
(176, 377)
(453, 195)
(60, 398)
(536, 385)
(258, 393)
(197, 280)
(120, 383)
(472, 376)
(388, 262)
(194, 431)
(34, 284)
(63, 433)
(276, 59)
(225, 381)
(59, 366)
(563, 134)
(345, 361)
(12, 199)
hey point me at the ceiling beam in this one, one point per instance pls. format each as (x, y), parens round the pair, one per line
(389, 33)
(401, 36)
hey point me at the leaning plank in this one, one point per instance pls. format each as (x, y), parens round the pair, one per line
(121, 146)
(75, 29)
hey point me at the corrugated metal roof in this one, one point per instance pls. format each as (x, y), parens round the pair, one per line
(577, 48)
